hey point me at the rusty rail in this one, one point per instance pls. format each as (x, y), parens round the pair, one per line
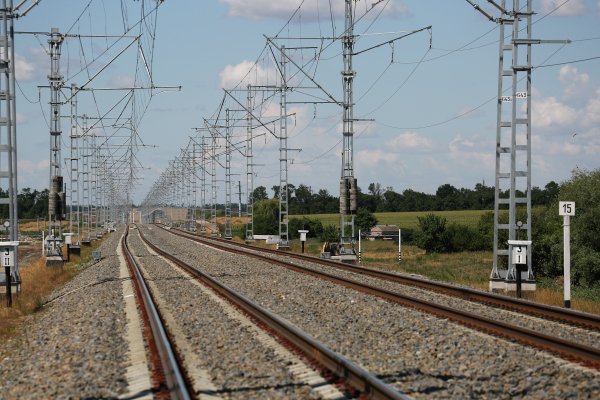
(176, 383)
(586, 355)
(357, 377)
(560, 314)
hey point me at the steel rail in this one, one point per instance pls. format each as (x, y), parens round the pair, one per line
(586, 355)
(357, 377)
(560, 314)
(176, 383)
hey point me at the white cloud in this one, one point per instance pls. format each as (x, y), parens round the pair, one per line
(32, 174)
(122, 81)
(568, 8)
(552, 148)
(411, 142)
(200, 107)
(470, 112)
(549, 114)
(373, 158)
(578, 87)
(311, 9)
(242, 74)
(34, 64)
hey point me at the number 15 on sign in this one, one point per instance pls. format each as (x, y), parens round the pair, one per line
(566, 208)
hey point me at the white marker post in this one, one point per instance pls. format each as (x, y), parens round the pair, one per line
(567, 209)
(359, 248)
(399, 245)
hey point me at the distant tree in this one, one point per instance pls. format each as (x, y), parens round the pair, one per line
(364, 220)
(260, 193)
(266, 217)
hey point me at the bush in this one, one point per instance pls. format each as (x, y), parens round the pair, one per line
(434, 238)
(409, 237)
(313, 226)
(239, 230)
(330, 234)
(266, 217)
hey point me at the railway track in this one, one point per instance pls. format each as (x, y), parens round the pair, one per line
(586, 355)
(170, 374)
(571, 317)
(361, 381)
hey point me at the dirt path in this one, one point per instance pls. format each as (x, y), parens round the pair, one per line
(29, 253)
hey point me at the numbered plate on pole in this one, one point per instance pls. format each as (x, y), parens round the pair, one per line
(508, 99)
(7, 256)
(566, 208)
(519, 255)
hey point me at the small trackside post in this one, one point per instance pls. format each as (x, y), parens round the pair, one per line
(399, 245)
(359, 248)
(567, 210)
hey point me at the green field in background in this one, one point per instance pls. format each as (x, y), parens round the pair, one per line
(408, 219)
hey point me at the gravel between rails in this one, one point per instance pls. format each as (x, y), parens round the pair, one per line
(553, 328)
(416, 353)
(240, 367)
(75, 348)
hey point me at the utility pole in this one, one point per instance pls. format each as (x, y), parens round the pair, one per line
(74, 219)
(8, 141)
(193, 226)
(227, 176)
(213, 164)
(240, 198)
(283, 158)
(56, 204)
(85, 174)
(93, 192)
(203, 191)
(348, 185)
(499, 280)
(249, 170)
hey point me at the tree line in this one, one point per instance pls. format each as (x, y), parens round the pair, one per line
(435, 235)
(30, 203)
(303, 201)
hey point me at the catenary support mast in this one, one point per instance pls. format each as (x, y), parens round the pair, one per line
(348, 188)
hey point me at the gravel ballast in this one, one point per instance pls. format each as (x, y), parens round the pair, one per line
(76, 347)
(552, 328)
(416, 353)
(238, 365)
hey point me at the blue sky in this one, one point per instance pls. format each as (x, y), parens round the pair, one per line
(419, 139)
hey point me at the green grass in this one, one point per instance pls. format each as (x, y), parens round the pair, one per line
(408, 219)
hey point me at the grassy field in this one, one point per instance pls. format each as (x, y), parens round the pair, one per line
(408, 219)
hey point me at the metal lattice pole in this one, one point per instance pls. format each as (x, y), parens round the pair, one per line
(249, 170)
(85, 177)
(283, 156)
(56, 180)
(227, 175)
(74, 195)
(203, 191)
(213, 163)
(94, 183)
(348, 187)
(8, 144)
(517, 149)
